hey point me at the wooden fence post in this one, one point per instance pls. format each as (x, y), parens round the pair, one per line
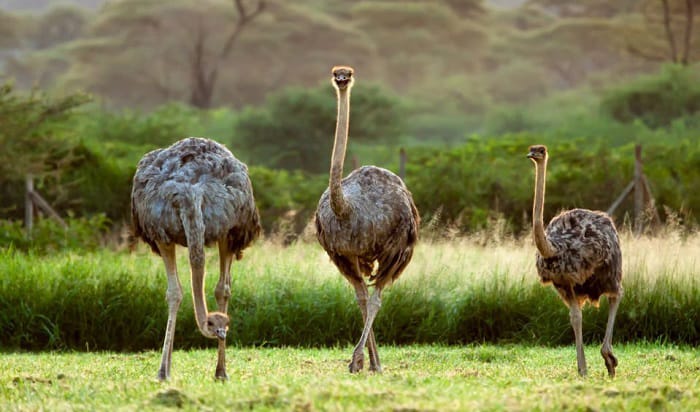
(638, 191)
(355, 162)
(402, 163)
(28, 205)
(34, 200)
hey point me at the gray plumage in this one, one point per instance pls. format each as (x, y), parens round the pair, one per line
(366, 222)
(193, 172)
(579, 253)
(382, 225)
(195, 193)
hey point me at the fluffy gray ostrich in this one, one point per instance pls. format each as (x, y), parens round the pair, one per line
(365, 218)
(195, 193)
(579, 253)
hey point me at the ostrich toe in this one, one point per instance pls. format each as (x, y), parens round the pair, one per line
(610, 363)
(357, 362)
(221, 374)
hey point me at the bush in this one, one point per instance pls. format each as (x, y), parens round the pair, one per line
(491, 178)
(47, 235)
(295, 129)
(656, 100)
(286, 200)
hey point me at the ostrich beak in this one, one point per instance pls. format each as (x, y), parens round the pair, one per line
(221, 333)
(530, 155)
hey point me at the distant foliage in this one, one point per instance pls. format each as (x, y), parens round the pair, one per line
(60, 24)
(656, 100)
(295, 128)
(491, 178)
(150, 130)
(32, 130)
(48, 236)
(34, 140)
(286, 200)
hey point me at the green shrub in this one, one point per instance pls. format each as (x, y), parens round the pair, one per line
(285, 199)
(81, 233)
(656, 100)
(295, 128)
(489, 178)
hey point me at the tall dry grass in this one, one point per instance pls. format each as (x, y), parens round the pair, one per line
(470, 289)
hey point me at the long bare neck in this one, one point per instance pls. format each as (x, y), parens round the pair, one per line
(198, 299)
(544, 246)
(338, 203)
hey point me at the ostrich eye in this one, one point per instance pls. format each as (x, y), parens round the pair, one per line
(210, 323)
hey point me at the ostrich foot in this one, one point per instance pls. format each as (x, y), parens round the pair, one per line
(163, 375)
(376, 368)
(357, 362)
(221, 374)
(610, 363)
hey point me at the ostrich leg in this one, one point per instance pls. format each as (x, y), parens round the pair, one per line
(576, 319)
(373, 305)
(223, 293)
(362, 294)
(174, 297)
(606, 350)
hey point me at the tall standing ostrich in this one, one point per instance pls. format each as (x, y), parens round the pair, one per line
(579, 253)
(195, 193)
(365, 218)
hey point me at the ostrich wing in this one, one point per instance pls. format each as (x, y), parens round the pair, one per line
(585, 240)
(168, 181)
(382, 225)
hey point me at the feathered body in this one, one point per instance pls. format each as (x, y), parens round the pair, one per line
(366, 222)
(588, 255)
(195, 193)
(579, 253)
(193, 175)
(382, 225)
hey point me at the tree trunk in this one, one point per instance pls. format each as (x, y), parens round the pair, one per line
(669, 31)
(688, 31)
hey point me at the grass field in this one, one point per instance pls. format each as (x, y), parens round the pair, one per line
(416, 378)
(294, 317)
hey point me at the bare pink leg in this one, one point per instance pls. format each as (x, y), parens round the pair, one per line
(606, 350)
(362, 295)
(223, 293)
(576, 320)
(174, 298)
(373, 306)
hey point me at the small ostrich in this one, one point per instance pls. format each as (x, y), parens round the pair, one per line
(195, 193)
(579, 253)
(365, 218)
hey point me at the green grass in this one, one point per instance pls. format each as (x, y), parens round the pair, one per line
(459, 292)
(415, 378)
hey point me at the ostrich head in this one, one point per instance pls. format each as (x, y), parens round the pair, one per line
(538, 153)
(342, 77)
(216, 326)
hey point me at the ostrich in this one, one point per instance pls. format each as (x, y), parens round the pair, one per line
(579, 253)
(195, 193)
(369, 217)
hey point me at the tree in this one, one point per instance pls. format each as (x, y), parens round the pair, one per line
(32, 136)
(205, 69)
(180, 33)
(59, 25)
(667, 34)
(29, 126)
